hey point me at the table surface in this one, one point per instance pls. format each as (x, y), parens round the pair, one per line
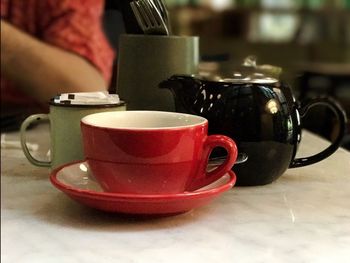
(304, 216)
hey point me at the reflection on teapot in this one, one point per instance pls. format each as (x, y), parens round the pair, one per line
(259, 113)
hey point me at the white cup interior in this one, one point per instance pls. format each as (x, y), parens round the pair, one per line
(142, 120)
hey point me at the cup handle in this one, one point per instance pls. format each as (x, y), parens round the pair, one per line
(210, 143)
(24, 126)
(341, 120)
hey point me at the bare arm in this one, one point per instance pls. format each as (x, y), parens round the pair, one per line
(43, 70)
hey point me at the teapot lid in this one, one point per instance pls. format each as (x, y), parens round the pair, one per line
(248, 73)
(256, 78)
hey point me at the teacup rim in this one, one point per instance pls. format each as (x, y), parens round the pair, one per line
(203, 121)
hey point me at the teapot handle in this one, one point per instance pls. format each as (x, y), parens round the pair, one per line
(341, 120)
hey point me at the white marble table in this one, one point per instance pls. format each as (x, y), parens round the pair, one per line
(302, 217)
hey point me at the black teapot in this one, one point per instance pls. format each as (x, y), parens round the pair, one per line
(260, 113)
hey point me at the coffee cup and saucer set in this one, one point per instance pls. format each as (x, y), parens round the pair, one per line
(146, 162)
(137, 162)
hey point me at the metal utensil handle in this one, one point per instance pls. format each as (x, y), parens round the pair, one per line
(164, 12)
(149, 17)
(241, 158)
(137, 16)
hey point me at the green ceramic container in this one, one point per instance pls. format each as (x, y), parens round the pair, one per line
(65, 134)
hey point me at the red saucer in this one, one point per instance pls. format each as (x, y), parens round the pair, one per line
(75, 180)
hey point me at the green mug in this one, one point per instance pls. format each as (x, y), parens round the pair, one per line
(65, 135)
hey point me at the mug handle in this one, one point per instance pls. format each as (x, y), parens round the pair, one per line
(24, 126)
(341, 120)
(210, 143)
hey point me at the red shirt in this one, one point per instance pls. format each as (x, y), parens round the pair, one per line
(73, 25)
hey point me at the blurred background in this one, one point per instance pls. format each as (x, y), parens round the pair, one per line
(308, 39)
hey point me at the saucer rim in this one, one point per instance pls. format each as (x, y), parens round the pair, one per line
(137, 197)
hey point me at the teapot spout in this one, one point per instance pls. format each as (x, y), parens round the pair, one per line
(171, 84)
(183, 90)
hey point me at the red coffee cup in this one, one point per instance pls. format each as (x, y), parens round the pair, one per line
(152, 152)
